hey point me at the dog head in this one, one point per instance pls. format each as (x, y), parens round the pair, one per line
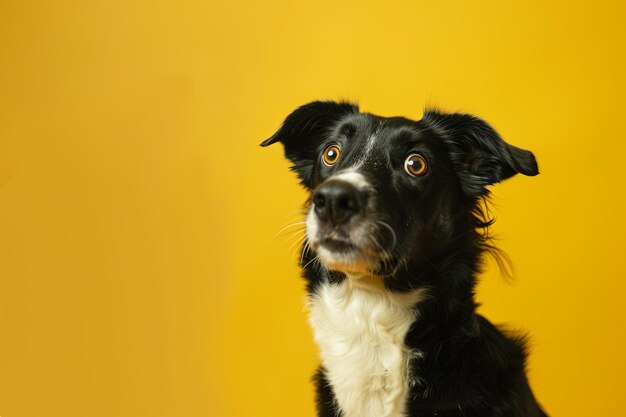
(387, 192)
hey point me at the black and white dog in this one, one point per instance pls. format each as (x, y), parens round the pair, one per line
(395, 233)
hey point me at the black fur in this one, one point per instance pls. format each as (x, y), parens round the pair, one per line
(469, 367)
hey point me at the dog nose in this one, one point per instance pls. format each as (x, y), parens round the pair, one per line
(337, 201)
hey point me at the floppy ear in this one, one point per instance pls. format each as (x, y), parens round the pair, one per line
(479, 154)
(302, 131)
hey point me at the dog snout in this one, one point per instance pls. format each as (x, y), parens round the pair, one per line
(337, 201)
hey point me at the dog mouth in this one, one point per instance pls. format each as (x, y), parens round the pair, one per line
(338, 245)
(345, 257)
(345, 253)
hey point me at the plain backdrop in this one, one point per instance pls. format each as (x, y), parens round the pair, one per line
(140, 274)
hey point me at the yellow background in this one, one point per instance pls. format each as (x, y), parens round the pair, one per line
(138, 273)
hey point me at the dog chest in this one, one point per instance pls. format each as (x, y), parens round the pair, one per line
(360, 329)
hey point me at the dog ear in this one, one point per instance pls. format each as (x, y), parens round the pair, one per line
(302, 131)
(479, 154)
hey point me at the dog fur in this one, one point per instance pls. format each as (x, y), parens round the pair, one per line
(395, 233)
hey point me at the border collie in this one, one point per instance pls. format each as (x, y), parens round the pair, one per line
(395, 231)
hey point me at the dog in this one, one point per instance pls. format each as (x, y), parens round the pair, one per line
(396, 229)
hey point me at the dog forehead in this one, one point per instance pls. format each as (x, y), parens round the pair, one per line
(375, 138)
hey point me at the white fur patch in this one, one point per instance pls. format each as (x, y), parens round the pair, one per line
(352, 176)
(368, 148)
(360, 328)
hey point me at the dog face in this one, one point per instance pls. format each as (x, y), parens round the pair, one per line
(392, 192)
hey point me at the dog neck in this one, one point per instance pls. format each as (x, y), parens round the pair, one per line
(448, 279)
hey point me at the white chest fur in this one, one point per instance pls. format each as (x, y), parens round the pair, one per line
(360, 328)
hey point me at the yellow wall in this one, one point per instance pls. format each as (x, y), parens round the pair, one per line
(138, 273)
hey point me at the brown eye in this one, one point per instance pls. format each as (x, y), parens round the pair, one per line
(331, 155)
(415, 165)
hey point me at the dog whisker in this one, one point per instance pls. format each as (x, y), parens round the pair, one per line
(316, 258)
(287, 227)
(393, 232)
(294, 234)
(305, 249)
(384, 258)
(295, 244)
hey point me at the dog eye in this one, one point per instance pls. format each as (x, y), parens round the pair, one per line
(331, 155)
(415, 165)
